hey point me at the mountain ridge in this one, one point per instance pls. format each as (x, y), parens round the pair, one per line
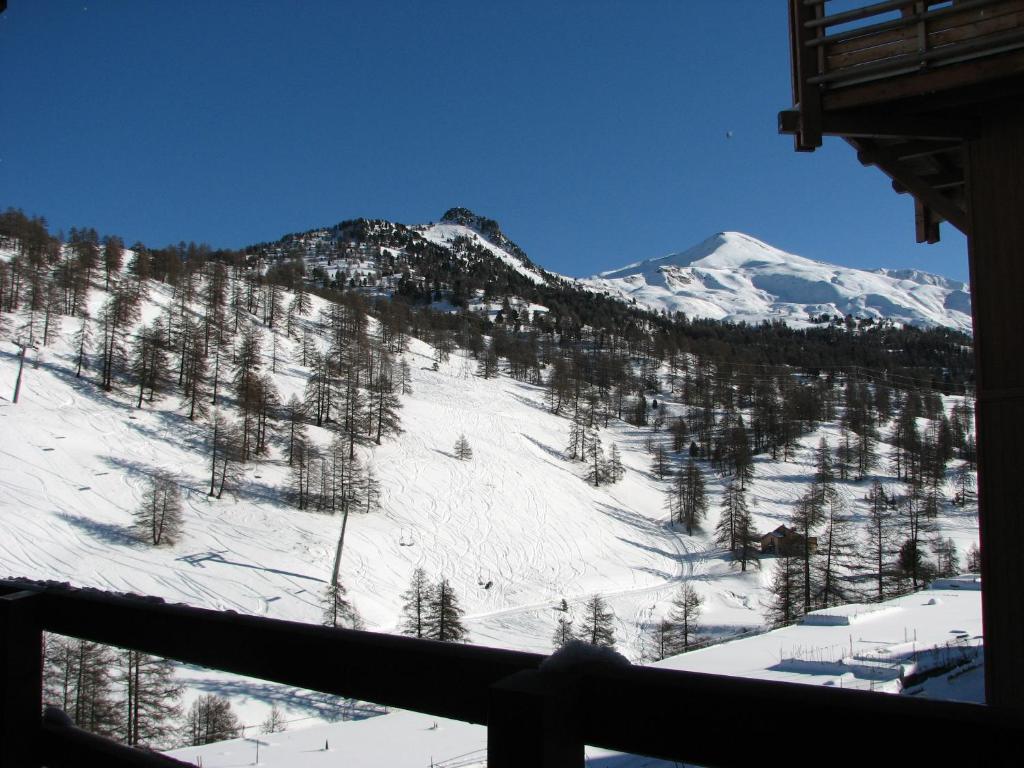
(732, 276)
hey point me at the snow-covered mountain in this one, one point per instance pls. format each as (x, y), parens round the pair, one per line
(735, 277)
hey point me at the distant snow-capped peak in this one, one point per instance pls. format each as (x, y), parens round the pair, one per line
(733, 276)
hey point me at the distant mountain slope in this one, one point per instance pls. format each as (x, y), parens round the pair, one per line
(735, 277)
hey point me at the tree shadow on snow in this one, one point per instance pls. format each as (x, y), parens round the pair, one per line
(108, 533)
(313, 703)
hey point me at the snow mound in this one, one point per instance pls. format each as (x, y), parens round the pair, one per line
(845, 615)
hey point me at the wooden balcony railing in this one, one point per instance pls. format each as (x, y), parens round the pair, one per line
(896, 49)
(536, 715)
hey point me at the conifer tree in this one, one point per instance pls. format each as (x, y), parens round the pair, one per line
(807, 516)
(947, 561)
(659, 641)
(785, 593)
(596, 465)
(338, 610)
(748, 545)
(734, 506)
(158, 519)
(563, 631)
(445, 614)
(79, 679)
(210, 719)
(417, 619)
(879, 548)
(225, 455)
(660, 463)
(149, 361)
(687, 498)
(383, 418)
(615, 469)
(463, 451)
(685, 615)
(152, 699)
(597, 626)
(974, 559)
(82, 342)
(835, 548)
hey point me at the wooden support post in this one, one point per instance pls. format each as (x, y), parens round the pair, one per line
(21, 680)
(995, 248)
(926, 223)
(531, 723)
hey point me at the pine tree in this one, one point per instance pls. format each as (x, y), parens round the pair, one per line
(79, 679)
(158, 519)
(597, 626)
(615, 469)
(563, 632)
(974, 559)
(947, 560)
(210, 719)
(879, 549)
(686, 610)
(416, 606)
(807, 516)
(225, 457)
(152, 699)
(82, 341)
(835, 547)
(659, 642)
(687, 499)
(785, 604)
(748, 544)
(338, 610)
(660, 464)
(445, 614)
(463, 451)
(149, 361)
(734, 506)
(383, 418)
(596, 466)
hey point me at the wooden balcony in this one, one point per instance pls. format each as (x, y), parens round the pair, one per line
(536, 714)
(904, 81)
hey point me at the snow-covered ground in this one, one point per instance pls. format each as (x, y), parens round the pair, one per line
(515, 530)
(861, 647)
(733, 276)
(868, 647)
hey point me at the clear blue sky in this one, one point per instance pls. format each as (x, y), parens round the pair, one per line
(594, 131)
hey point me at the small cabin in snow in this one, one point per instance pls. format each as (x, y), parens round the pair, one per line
(786, 542)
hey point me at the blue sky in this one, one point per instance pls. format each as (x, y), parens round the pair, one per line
(596, 132)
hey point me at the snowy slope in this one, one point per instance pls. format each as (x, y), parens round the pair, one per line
(445, 233)
(516, 529)
(735, 277)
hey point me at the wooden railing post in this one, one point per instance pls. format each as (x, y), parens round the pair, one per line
(532, 722)
(21, 680)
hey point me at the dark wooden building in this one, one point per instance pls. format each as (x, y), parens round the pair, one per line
(786, 542)
(932, 94)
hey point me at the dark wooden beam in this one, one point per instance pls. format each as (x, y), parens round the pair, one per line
(882, 124)
(21, 678)
(995, 245)
(870, 153)
(926, 223)
(965, 75)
